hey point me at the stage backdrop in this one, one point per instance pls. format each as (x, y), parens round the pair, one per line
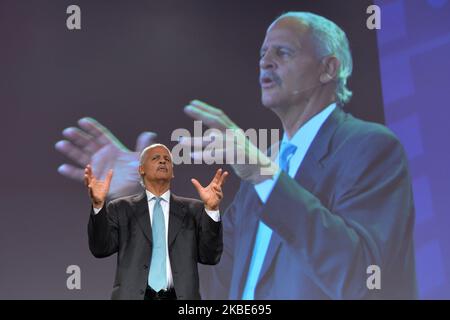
(134, 65)
(414, 46)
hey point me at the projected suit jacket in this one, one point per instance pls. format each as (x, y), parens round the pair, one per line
(349, 207)
(123, 227)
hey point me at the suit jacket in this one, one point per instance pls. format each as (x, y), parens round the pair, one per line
(123, 226)
(349, 206)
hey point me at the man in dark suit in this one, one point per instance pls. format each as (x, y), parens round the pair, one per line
(334, 219)
(336, 202)
(159, 238)
(348, 207)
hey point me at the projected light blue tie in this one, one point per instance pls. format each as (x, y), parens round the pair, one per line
(157, 278)
(264, 234)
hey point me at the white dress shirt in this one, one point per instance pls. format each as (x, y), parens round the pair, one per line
(165, 205)
(302, 139)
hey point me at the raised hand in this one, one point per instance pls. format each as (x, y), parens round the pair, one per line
(212, 194)
(94, 144)
(257, 165)
(98, 189)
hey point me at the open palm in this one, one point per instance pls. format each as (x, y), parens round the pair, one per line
(98, 189)
(92, 143)
(212, 194)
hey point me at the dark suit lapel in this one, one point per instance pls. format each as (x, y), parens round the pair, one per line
(177, 211)
(143, 216)
(247, 235)
(307, 175)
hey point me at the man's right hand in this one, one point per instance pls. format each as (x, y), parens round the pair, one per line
(257, 166)
(94, 144)
(98, 189)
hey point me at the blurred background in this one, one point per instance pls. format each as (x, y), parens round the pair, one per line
(134, 65)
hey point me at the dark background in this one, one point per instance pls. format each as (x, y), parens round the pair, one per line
(133, 67)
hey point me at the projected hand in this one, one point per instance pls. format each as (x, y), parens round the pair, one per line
(94, 144)
(251, 164)
(212, 194)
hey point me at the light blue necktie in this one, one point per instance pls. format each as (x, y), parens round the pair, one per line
(264, 233)
(157, 277)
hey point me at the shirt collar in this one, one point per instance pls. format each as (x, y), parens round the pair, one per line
(312, 126)
(165, 196)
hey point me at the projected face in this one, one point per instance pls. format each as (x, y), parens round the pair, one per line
(157, 165)
(289, 66)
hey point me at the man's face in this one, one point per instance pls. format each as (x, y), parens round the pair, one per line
(289, 66)
(157, 165)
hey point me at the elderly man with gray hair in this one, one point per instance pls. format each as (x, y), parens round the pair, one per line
(334, 218)
(159, 237)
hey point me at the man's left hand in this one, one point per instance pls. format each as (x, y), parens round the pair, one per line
(212, 194)
(257, 167)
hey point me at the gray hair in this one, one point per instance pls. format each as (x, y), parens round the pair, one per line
(330, 39)
(143, 154)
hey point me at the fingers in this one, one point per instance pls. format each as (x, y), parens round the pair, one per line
(223, 178)
(71, 172)
(220, 177)
(197, 185)
(77, 136)
(217, 176)
(73, 152)
(211, 120)
(83, 140)
(144, 140)
(89, 139)
(102, 135)
(218, 192)
(92, 126)
(211, 116)
(83, 144)
(88, 176)
(205, 107)
(108, 179)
